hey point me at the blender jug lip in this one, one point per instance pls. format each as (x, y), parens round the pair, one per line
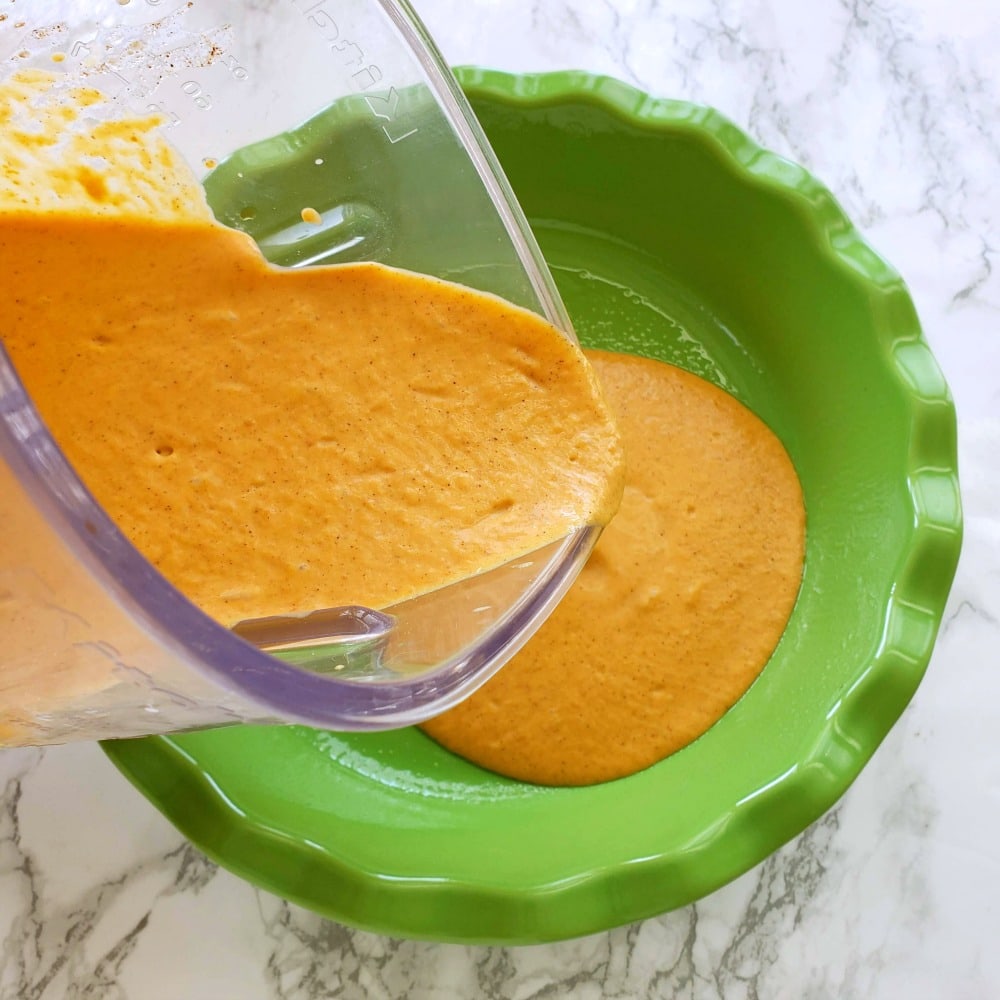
(466, 126)
(284, 691)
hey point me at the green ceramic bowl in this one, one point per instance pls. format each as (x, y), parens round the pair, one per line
(670, 234)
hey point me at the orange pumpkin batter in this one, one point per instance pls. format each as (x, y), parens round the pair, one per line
(678, 609)
(278, 441)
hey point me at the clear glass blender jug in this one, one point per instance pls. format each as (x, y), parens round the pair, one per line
(346, 108)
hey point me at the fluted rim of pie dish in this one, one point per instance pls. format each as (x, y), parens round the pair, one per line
(607, 896)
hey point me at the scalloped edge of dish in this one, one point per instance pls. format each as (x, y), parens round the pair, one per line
(924, 582)
(855, 726)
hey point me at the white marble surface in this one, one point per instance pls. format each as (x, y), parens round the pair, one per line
(896, 105)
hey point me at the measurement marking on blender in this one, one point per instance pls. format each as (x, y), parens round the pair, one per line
(173, 117)
(323, 24)
(389, 105)
(111, 71)
(201, 100)
(237, 71)
(194, 91)
(345, 46)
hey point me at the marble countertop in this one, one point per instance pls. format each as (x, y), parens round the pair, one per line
(896, 106)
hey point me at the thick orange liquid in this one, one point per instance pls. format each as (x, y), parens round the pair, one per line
(279, 441)
(677, 611)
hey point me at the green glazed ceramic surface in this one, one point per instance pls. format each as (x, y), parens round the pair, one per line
(671, 234)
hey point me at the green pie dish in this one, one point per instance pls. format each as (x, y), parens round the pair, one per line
(670, 234)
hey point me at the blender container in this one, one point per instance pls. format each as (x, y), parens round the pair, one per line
(345, 107)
